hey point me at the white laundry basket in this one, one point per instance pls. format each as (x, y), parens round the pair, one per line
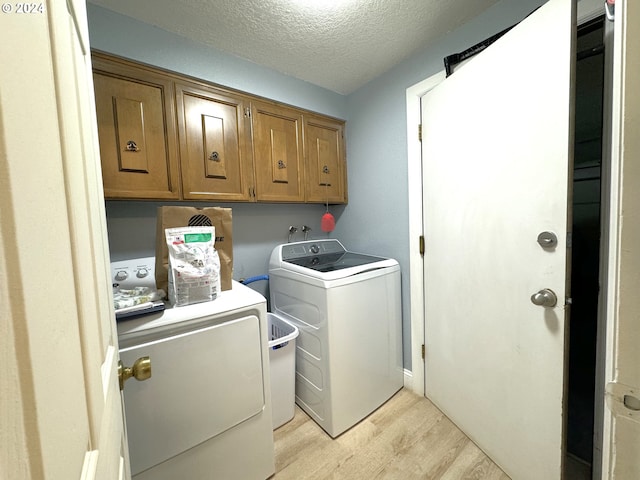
(282, 363)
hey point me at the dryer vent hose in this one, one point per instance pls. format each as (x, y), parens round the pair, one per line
(249, 280)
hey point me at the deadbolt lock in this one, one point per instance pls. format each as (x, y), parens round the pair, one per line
(141, 370)
(548, 240)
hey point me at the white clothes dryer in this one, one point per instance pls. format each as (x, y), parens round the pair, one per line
(347, 308)
(205, 413)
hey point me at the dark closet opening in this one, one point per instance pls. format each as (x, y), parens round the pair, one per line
(585, 257)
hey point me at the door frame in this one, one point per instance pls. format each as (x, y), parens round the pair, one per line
(621, 376)
(414, 378)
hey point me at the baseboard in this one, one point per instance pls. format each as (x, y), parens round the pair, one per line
(409, 382)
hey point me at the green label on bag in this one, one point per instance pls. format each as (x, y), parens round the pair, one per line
(197, 237)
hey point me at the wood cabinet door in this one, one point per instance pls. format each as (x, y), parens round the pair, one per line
(137, 138)
(214, 160)
(277, 153)
(325, 167)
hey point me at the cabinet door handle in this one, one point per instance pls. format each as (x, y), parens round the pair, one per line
(132, 147)
(214, 156)
(281, 164)
(325, 169)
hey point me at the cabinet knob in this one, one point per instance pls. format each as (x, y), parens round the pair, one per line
(281, 164)
(132, 147)
(214, 156)
(325, 169)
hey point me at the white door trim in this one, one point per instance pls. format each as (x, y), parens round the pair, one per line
(415, 381)
(621, 430)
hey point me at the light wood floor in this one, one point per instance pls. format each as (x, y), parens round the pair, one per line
(407, 438)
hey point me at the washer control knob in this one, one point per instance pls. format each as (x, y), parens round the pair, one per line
(121, 275)
(314, 248)
(142, 272)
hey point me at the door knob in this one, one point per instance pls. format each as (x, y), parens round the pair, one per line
(544, 298)
(141, 370)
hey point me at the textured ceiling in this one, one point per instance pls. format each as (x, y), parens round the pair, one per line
(339, 45)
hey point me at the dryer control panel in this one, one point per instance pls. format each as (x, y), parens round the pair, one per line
(137, 272)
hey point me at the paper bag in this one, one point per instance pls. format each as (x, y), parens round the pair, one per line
(218, 217)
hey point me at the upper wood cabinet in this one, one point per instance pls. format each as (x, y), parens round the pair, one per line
(166, 136)
(135, 112)
(325, 179)
(278, 153)
(214, 159)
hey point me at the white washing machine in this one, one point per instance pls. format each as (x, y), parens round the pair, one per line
(347, 308)
(205, 413)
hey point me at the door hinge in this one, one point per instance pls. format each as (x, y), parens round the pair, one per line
(423, 351)
(247, 112)
(420, 132)
(421, 241)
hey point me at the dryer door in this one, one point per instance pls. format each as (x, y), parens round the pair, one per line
(204, 382)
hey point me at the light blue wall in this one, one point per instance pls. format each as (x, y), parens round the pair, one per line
(257, 229)
(129, 38)
(376, 219)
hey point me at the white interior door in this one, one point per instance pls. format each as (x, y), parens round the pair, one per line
(59, 341)
(497, 150)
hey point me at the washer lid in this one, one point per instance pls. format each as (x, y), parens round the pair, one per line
(335, 261)
(325, 259)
